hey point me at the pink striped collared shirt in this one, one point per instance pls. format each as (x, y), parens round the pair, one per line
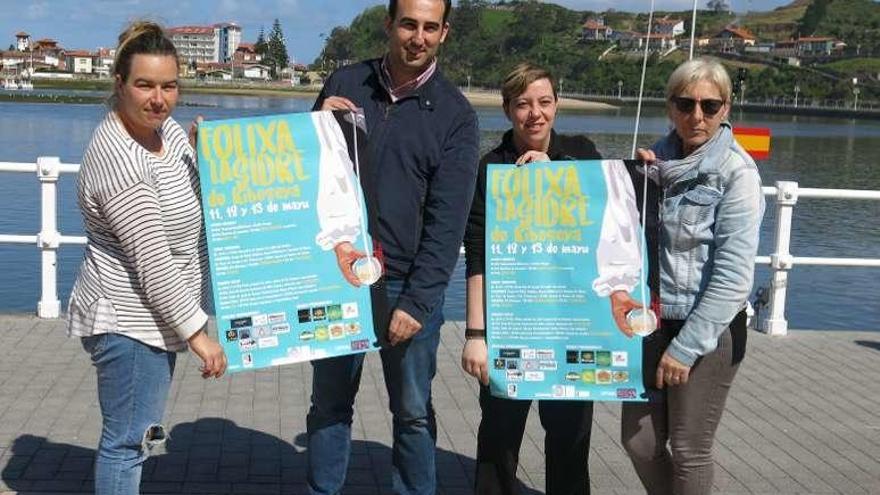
(409, 86)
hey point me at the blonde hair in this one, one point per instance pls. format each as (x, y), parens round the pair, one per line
(518, 80)
(140, 38)
(699, 69)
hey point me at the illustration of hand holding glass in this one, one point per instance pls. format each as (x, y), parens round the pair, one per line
(619, 254)
(340, 215)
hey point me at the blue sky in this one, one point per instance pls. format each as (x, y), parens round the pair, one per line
(88, 24)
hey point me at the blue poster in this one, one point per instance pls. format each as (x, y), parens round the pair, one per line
(279, 192)
(560, 237)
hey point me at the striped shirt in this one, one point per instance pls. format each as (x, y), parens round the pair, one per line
(409, 86)
(145, 271)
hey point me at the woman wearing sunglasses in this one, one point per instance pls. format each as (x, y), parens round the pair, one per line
(710, 215)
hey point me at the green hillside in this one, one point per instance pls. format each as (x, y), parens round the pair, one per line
(778, 24)
(857, 22)
(487, 40)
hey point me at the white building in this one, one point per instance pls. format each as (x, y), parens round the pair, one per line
(594, 29)
(11, 63)
(103, 61)
(669, 27)
(22, 41)
(78, 61)
(256, 71)
(227, 38)
(194, 43)
(656, 42)
(203, 44)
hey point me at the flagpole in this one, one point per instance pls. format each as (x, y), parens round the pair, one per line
(642, 82)
(693, 29)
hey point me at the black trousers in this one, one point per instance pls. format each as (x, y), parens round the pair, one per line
(566, 444)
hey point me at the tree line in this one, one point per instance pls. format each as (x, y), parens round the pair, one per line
(273, 50)
(487, 40)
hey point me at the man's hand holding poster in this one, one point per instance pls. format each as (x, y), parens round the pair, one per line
(285, 220)
(561, 237)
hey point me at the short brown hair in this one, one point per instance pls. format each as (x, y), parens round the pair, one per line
(447, 8)
(519, 79)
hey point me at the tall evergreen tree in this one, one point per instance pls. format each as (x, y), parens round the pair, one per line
(277, 49)
(718, 6)
(260, 46)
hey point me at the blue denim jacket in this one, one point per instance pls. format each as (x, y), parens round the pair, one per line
(710, 222)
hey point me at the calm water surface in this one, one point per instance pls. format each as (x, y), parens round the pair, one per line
(815, 151)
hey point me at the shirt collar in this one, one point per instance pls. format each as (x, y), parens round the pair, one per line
(553, 152)
(408, 87)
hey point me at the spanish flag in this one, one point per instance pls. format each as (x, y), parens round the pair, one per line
(755, 140)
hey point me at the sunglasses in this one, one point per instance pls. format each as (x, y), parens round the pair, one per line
(686, 105)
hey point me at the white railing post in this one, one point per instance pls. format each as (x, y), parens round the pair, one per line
(781, 260)
(49, 237)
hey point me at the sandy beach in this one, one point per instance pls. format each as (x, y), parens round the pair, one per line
(488, 99)
(478, 98)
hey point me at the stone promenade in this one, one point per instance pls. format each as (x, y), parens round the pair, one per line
(803, 418)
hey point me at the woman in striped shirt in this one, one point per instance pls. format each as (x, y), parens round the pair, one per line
(139, 296)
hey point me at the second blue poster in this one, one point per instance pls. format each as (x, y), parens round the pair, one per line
(560, 237)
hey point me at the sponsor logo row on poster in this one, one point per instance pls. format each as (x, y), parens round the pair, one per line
(531, 365)
(313, 323)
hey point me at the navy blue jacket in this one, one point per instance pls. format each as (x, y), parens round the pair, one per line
(422, 157)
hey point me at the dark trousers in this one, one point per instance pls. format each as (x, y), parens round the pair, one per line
(566, 444)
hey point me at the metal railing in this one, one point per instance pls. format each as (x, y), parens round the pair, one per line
(786, 193)
(48, 240)
(781, 261)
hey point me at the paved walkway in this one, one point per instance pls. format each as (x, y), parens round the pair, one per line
(803, 417)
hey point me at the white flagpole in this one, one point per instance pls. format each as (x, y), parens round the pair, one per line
(693, 29)
(642, 82)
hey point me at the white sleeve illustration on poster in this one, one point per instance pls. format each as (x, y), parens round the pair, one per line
(618, 254)
(339, 214)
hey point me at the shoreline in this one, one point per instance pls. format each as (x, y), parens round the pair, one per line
(477, 98)
(493, 100)
(480, 99)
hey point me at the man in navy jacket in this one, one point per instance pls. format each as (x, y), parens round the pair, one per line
(422, 150)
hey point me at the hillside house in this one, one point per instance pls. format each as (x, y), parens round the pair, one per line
(636, 41)
(596, 30)
(669, 26)
(732, 39)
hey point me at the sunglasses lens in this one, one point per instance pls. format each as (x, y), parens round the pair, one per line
(684, 105)
(687, 105)
(711, 107)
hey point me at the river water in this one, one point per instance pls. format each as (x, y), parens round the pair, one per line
(815, 151)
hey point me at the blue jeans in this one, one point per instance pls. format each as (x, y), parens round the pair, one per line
(133, 383)
(409, 368)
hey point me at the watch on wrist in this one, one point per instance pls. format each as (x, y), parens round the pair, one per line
(474, 333)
